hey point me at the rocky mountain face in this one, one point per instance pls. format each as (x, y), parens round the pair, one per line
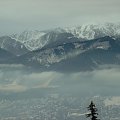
(5, 56)
(85, 55)
(81, 48)
(93, 31)
(38, 39)
(13, 46)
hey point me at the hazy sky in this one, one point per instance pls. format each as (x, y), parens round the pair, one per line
(20, 15)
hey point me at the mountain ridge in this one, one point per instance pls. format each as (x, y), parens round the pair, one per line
(53, 50)
(37, 39)
(83, 54)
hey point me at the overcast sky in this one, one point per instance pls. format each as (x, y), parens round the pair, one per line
(20, 15)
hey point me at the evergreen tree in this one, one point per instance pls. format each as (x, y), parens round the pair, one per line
(93, 111)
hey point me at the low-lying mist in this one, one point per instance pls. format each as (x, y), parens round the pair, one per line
(19, 79)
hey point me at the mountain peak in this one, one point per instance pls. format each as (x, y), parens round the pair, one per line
(35, 39)
(96, 30)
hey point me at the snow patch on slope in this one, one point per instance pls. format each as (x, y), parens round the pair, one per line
(31, 39)
(92, 31)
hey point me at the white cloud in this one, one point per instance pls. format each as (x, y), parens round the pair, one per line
(12, 88)
(112, 101)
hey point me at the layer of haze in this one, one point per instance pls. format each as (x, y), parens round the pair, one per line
(20, 15)
(98, 82)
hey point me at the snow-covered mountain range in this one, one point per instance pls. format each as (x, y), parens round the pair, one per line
(93, 31)
(68, 47)
(33, 40)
